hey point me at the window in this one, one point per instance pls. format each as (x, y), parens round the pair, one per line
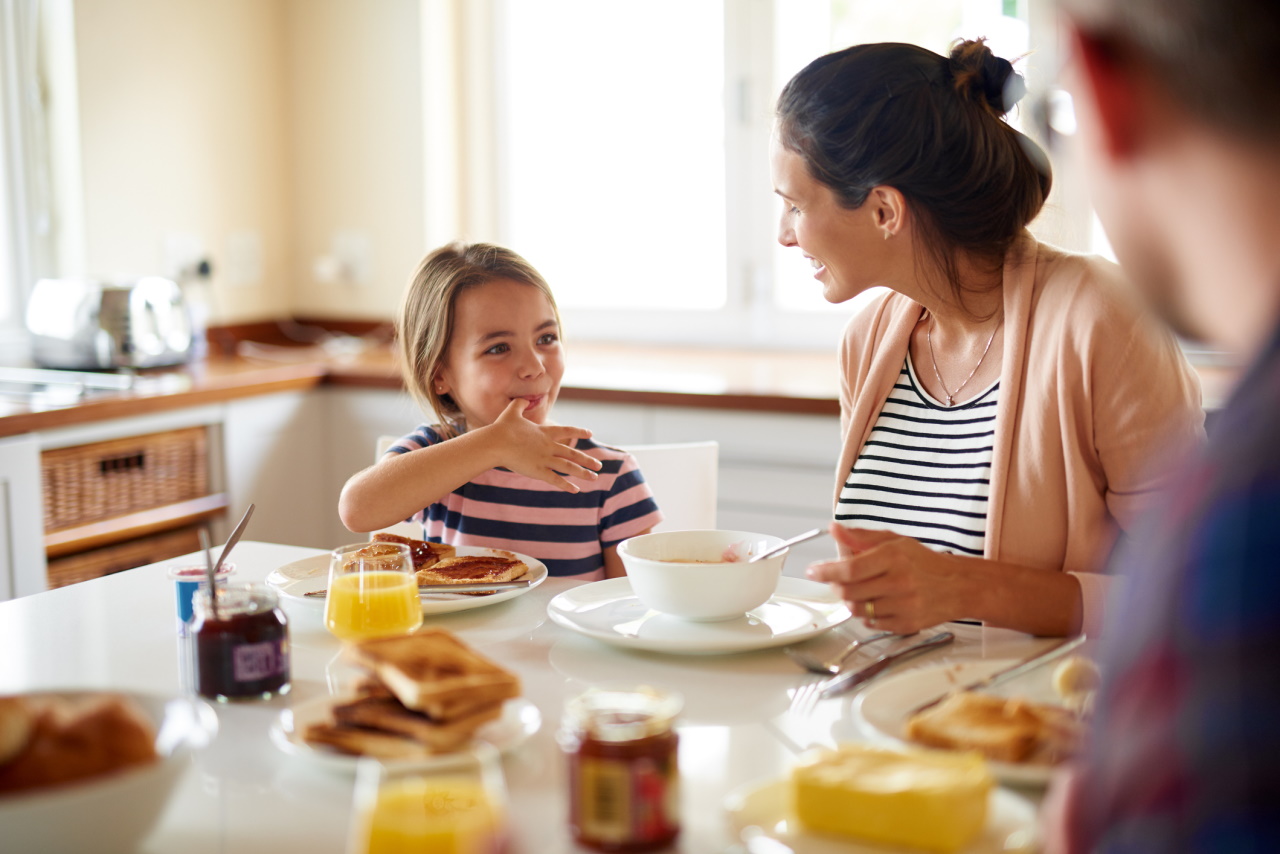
(632, 164)
(35, 35)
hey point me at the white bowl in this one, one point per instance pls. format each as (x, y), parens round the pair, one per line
(113, 812)
(683, 573)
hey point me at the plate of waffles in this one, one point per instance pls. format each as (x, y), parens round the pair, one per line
(303, 581)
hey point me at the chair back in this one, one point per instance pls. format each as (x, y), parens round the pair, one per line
(683, 477)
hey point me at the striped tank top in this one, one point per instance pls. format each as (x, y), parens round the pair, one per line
(925, 471)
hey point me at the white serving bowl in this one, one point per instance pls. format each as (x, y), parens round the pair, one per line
(113, 812)
(683, 573)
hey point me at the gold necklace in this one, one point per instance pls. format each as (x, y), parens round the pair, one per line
(951, 395)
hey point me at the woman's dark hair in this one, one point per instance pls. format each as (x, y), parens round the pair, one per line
(930, 126)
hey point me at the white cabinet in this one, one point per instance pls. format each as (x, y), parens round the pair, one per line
(289, 453)
(274, 457)
(354, 418)
(22, 562)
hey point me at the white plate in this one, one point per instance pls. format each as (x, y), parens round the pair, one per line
(609, 611)
(761, 810)
(292, 580)
(883, 707)
(520, 719)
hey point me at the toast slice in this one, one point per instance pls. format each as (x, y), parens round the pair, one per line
(357, 741)
(998, 728)
(389, 716)
(425, 553)
(434, 672)
(473, 568)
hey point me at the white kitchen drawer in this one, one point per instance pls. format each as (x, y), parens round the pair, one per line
(609, 423)
(797, 489)
(754, 436)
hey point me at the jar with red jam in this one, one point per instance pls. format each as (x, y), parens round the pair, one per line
(624, 784)
(241, 638)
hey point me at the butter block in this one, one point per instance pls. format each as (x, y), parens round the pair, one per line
(930, 800)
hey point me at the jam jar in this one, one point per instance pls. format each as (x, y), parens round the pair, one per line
(241, 639)
(624, 786)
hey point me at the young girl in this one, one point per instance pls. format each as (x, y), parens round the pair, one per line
(479, 337)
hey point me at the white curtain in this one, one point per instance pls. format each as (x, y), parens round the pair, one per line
(26, 222)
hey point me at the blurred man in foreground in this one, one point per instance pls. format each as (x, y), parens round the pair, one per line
(1178, 104)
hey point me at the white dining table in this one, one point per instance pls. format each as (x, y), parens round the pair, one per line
(243, 794)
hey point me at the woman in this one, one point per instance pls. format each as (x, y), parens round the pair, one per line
(1002, 405)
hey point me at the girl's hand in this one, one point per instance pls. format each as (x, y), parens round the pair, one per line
(910, 586)
(544, 452)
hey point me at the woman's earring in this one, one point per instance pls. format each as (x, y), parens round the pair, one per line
(887, 234)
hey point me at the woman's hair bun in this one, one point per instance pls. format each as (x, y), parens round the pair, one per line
(978, 73)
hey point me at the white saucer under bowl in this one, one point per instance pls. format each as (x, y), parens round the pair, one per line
(609, 611)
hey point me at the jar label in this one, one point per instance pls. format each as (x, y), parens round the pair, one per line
(626, 802)
(254, 661)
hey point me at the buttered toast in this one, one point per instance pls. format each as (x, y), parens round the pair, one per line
(361, 741)
(434, 672)
(388, 715)
(425, 693)
(1004, 729)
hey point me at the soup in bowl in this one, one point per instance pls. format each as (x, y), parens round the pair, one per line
(702, 575)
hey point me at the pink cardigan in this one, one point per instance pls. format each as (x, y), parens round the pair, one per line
(1097, 403)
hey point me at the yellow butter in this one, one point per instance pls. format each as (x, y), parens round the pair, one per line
(923, 799)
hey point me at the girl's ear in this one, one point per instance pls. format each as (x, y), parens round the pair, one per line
(888, 209)
(439, 384)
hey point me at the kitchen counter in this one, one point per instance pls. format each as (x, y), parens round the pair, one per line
(758, 381)
(771, 382)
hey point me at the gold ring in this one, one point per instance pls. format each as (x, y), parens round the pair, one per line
(869, 608)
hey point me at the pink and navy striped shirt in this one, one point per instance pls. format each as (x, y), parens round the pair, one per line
(567, 531)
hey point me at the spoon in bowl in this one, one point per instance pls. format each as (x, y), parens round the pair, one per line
(786, 544)
(734, 553)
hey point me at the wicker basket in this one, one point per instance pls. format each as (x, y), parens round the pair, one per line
(103, 480)
(121, 556)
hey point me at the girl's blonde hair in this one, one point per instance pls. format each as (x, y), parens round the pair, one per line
(424, 324)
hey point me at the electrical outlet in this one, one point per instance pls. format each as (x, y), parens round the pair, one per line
(244, 258)
(183, 252)
(354, 253)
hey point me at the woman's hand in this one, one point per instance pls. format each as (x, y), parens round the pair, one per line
(542, 451)
(894, 582)
(899, 584)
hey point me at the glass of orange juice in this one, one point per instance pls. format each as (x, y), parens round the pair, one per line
(451, 804)
(373, 592)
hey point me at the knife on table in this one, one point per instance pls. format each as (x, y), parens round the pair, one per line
(1008, 673)
(848, 681)
(473, 587)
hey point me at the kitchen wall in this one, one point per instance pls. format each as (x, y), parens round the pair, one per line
(263, 134)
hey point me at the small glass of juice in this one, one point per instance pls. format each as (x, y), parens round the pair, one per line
(373, 592)
(451, 804)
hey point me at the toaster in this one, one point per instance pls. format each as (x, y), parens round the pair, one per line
(86, 324)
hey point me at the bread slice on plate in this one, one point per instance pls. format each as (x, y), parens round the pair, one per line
(434, 672)
(466, 569)
(389, 716)
(998, 728)
(424, 552)
(358, 741)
